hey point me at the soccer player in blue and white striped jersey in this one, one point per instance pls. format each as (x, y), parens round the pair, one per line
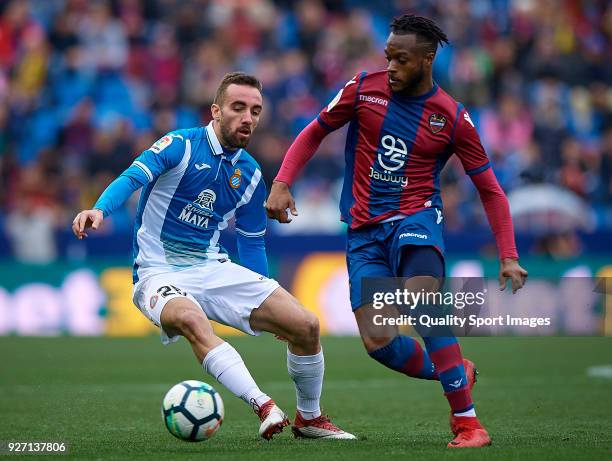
(194, 182)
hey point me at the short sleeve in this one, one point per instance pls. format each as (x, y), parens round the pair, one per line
(341, 109)
(467, 145)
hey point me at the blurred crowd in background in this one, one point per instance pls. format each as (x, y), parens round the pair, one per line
(86, 85)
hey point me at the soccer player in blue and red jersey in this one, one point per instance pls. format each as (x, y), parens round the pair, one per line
(402, 130)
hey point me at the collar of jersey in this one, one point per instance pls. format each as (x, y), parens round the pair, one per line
(215, 145)
(418, 98)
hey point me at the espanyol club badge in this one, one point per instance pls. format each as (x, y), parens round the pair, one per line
(236, 179)
(436, 122)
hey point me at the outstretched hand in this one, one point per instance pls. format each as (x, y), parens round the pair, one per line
(86, 219)
(279, 201)
(510, 269)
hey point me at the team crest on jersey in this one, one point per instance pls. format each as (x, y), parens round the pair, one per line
(161, 144)
(236, 179)
(437, 122)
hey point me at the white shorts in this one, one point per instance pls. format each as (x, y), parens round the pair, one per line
(225, 291)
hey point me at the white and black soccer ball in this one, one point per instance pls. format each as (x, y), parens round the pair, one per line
(192, 411)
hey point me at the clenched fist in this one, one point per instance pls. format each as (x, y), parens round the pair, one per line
(279, 201)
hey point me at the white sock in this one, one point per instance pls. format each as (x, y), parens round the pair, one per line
(471, 412)
(225, 364)
(306, 371)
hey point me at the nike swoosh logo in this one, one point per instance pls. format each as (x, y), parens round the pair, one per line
(456, 384)
(202, 166)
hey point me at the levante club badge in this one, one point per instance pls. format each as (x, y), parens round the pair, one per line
(436, 122)
(236, 179)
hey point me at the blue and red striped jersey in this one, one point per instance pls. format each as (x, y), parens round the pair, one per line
(397, 146)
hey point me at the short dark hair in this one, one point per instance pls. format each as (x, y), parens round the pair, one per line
(424, 28)
(236, 78)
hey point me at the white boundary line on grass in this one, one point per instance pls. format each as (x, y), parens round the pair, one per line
(600, 371)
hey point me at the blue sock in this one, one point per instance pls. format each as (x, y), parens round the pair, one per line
(406, 355)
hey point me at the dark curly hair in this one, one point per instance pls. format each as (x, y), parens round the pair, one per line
(427, 31)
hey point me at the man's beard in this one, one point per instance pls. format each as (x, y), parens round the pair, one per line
(415, 81)
(229, 139)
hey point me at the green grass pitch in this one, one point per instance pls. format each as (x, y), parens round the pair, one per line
(102, 396)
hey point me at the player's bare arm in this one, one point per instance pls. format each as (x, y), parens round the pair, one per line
(86, 219)
(279, 202)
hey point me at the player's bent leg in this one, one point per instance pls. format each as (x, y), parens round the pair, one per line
(222, 361)
(383, 343)
(373, 336)
(445, 352)
(283, 315)
(181, 316)
(423, 266)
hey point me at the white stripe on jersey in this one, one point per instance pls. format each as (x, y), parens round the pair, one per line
(246, 197)
(150, 247)
(214, 143)
(145, 169)
(250, 234)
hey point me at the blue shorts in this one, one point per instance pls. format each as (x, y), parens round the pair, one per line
(375, 251)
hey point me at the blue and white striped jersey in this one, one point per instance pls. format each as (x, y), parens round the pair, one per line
(192, 189)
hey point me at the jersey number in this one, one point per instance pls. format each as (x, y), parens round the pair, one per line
(170, 290)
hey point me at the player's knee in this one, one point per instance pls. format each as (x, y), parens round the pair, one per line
(307, 332)
(372, 344)
(190, 324)
(312, 327)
